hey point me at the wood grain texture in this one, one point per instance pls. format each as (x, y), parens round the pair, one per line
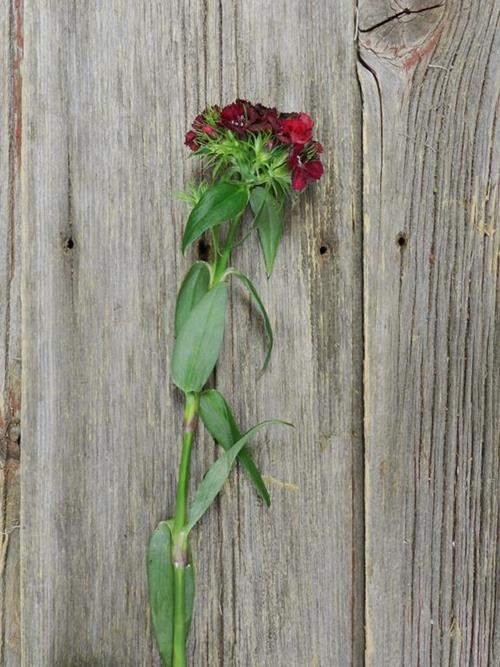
(380, 545)
(11, 47)
(105, 116)
(100, 249)
(429, 80)
(292, 577)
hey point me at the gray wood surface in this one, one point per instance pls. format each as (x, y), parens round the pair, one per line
(105, 116)
(379, 547)
(430, 84)
(11, 46)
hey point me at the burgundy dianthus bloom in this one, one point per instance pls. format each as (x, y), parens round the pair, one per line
(233, 117)
(304, 171)
(200, 126)
(191, 140)
(242, 117)
(297, 131)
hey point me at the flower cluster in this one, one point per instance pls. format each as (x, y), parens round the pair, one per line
(287, 153)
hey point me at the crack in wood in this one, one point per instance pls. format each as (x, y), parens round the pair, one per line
(396, 17)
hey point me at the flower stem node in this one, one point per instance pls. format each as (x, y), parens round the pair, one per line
(180, 555)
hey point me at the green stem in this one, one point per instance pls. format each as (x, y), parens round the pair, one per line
(190, 423)
(180, 557)
(222, 260)
(215, 240)
(179, 642)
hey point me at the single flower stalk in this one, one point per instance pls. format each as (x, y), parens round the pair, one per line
(256, 157)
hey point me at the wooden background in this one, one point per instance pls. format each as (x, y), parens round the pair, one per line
(379, 548)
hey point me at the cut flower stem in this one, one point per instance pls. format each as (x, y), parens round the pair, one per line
(256, 156)
(180, 546)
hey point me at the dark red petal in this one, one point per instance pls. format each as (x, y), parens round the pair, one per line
(314, 169)
(299, 180)
(198, 121)
(306, 120)
(190, 140)
(208, 129)
(243, 103)
(295, 129)
(293, 158)
(284, 138)
(233, 111)
(271, 117)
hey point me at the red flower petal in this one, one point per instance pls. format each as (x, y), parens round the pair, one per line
(208, 129)
(296, 132)
(271, 117)
(314, 169)
(190, 140)
(299, 179)
(233, 111)
(306, 121)
(293, 158)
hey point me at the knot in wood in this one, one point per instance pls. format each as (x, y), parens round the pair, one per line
(403, 31)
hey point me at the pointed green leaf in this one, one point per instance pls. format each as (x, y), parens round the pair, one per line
(161, 590)
(221, 202)
(218, 418)
(220, 423)
(198, 345)
(269, 214)
(267, 324)
(214, 480)
(193, 288)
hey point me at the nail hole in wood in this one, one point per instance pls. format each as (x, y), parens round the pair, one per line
(69, 244)
(401, 239)
(203, 250)
(323, 249)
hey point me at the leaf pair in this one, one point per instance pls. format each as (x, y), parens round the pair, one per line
(199, 326)
(217, 475)
(226, 201)
(220, 203)
(161, 590)
(160, 567)
(220, 423)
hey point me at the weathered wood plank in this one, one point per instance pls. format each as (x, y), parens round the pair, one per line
(292, 577)
(104, 117)
(430, 85)
(104, 122)
(11, 46)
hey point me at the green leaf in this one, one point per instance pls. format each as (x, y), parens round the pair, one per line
(220, 423)
(193, 288)
(214, 480)
(161, 590)
(269, 214)
(267, 324)
(221, 202)
(198, 345)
